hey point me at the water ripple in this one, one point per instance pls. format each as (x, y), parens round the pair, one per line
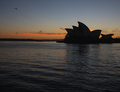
(59, 67)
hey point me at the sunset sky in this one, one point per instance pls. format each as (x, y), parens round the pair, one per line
(46, 19)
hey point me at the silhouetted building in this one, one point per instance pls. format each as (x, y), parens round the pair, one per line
(82, 34)
(108, 36)
(82, 31)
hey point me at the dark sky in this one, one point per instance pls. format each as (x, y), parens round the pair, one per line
(48, 16)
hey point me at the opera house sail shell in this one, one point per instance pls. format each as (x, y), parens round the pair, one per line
(84, 29)
(95, 34)
(70, 31)
(108, 36)
(77, 31)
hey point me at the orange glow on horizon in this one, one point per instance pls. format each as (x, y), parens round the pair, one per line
(37, 35)
(49, 34)
(33, 35)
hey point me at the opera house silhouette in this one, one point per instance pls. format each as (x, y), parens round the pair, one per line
(82, 34)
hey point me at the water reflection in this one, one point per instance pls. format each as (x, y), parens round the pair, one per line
(78, 55)
(60, 67)
(92, 66)
(76, 58)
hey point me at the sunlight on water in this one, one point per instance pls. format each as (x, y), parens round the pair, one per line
(51, 66)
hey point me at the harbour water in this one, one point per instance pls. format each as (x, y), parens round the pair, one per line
(59, 67)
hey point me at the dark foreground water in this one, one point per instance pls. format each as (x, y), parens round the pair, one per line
(59, 67)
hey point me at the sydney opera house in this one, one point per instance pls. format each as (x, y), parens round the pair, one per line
(82, 34)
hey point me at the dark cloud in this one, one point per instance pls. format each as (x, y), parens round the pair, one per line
(40, 31)
(63, 29)
(16, 32)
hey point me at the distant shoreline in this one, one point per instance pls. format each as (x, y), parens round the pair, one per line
(90, 41)
(14, 39)
(114, 40)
